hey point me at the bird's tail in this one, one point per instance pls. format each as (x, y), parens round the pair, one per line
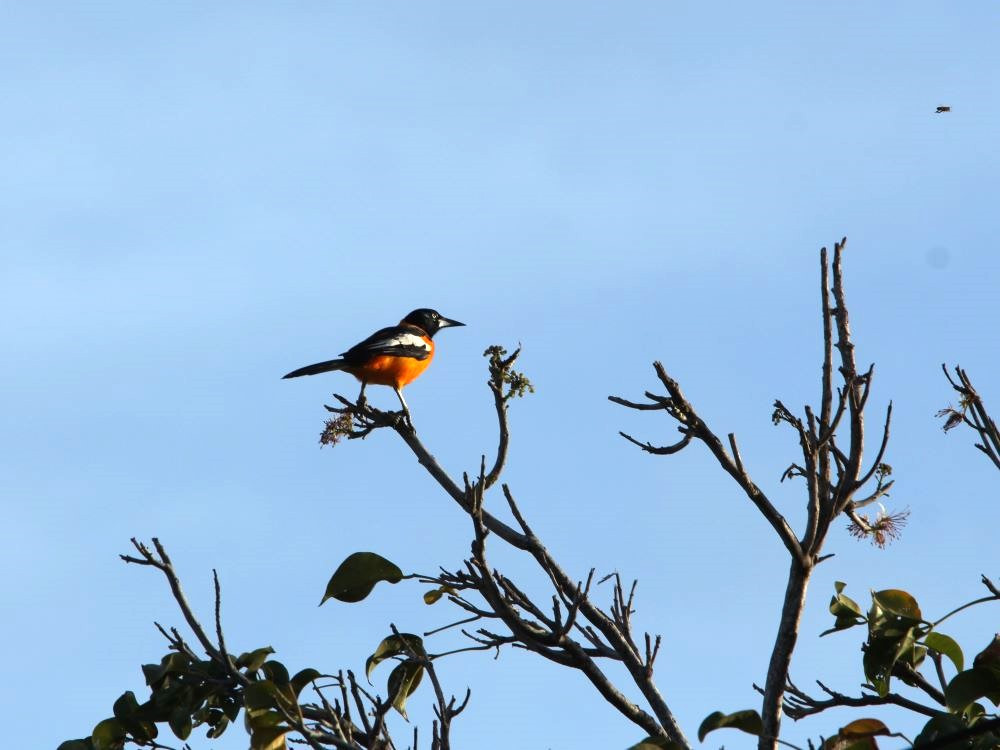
(328, 366)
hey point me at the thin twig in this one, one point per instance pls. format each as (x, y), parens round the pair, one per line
(165, 566)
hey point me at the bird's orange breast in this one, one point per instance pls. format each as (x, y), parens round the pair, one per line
(386, 369)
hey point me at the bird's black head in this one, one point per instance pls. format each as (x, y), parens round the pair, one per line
(429, 320)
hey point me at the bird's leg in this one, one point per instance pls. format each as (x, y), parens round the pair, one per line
(406, 409)
(362, 403)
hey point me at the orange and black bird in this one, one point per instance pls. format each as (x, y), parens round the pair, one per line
(394, 356)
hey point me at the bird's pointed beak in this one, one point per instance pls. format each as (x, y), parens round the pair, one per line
(448, 323)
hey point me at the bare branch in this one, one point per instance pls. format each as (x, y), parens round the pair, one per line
(498, 368)
(550, 643)
(665, 450)
(165, 566)
(912, 677)
(736, 453)
(852, 383)
(821, 458)
(665, 723)
(696, 427)
(991, 586)
(881, 451)
(655, 406)
(973, 412)
(227, 660)
(880, 491)
(799, 705)
(982, 600)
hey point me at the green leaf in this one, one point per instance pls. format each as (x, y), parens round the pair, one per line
(434, 595)
(140, 731)
(162, 702)
(180, 723)
(878, 659)
(108, 735)
(265, 694)
(275, 671)
(231, 708)
(303, 678)
(988, 741)
(125, 706)
(989, 656)
(941, 726)
(899, 603)
(971, 685)
(974, 713)
(905, 650)
(844, 605)
(403, 680)
(268, 738)
(846, 611)
(252, 660)
(259, 695)
(262, 718)
(152, 673)
(174, 663)
(946, 646)
(746, 721)
(218, 729)
(657, 743)
(843, 622)
(404, 644)
(355, 578)
(860, 728)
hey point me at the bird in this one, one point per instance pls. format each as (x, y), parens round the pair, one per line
(942, 110)
(394, 356)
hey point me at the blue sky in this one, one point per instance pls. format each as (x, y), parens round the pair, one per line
(200, 197)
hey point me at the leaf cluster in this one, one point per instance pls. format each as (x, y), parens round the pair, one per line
(898, 645)
(186, 693)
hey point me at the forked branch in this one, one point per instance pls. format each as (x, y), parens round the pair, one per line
(605, 634)
(263, 689)
(972, 412)
(833, 474)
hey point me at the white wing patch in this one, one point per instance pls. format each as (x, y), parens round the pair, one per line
(401, 341)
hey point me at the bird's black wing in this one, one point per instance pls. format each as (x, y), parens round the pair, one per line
(395, 341)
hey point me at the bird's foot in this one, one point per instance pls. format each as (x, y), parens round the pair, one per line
(406, 419)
